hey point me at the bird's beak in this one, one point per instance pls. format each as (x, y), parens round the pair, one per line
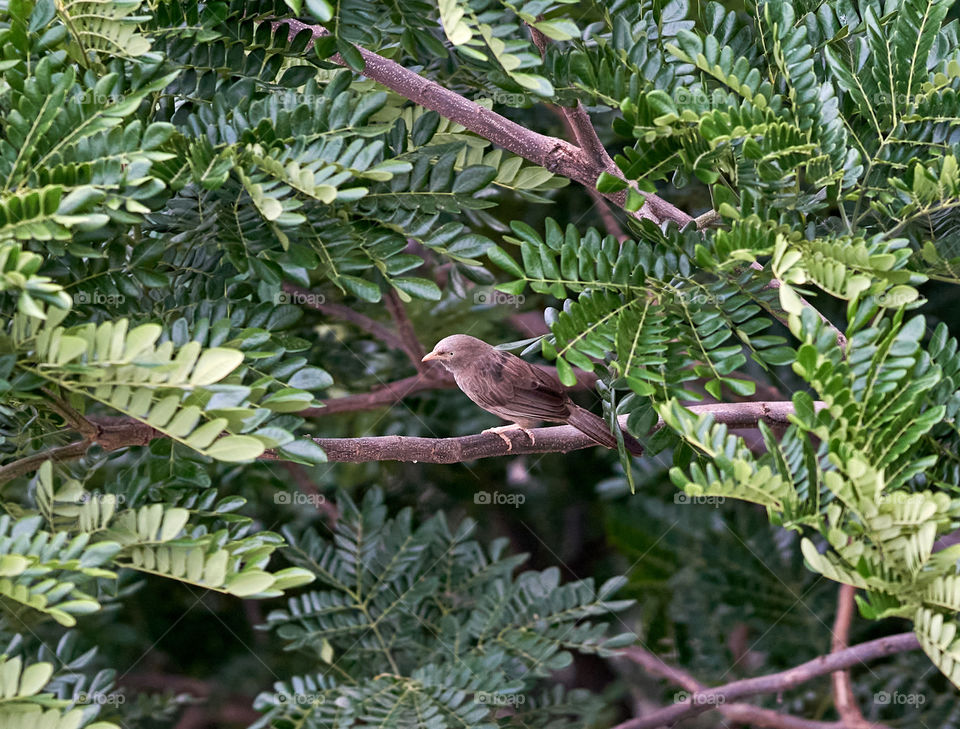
(427, 358)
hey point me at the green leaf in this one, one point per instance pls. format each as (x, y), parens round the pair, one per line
(420, 288)
(474, 178)
(607, 183)
(303, 450)
(351, 55)
(322, 10)
(502, 259)
(214, 364)
(360, 288)
(233, 448)
(310, 378)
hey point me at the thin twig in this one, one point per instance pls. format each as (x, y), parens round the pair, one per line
(776, 283)
(580, 128)
(305, 297)
(610, 221)
(755, 716)
(74, 419)
(707, 699)
(843, 698)
(710, 219)
(408, 335)
(301, 478)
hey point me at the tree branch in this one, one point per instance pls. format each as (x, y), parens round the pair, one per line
(301, 477)
(556, 439)
(389, 394)
(843, 698)
(710, 219)
(556, 155)
(118, 432)
(109, 433)
(712, 698)
(305, 297)
(72, 418)
(408, 336)
(740, 713)
(586, 136)
(610, 221)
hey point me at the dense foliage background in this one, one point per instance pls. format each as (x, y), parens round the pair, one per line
(223, 235)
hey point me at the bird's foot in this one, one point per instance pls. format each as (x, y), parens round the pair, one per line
(502, 429)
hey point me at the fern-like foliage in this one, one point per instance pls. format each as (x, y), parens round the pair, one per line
(427, 622)
(826, 139)
(667, 323)
(865, 488)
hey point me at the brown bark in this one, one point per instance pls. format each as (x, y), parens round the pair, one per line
(711, 698)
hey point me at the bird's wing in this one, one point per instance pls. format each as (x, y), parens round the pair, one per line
(506, 383)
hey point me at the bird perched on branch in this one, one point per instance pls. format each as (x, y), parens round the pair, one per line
(515, 390)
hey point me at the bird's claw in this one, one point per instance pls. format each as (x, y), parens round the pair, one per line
(501, 430)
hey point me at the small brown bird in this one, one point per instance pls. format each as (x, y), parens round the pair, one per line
(515, 390)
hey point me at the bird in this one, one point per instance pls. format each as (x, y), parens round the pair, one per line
(513, 389)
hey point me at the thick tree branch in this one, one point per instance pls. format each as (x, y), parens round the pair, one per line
(556, 155)
(110, 434)
(118, 432)
(712, 698)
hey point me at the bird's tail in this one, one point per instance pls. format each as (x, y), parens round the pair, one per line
(596, 428)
